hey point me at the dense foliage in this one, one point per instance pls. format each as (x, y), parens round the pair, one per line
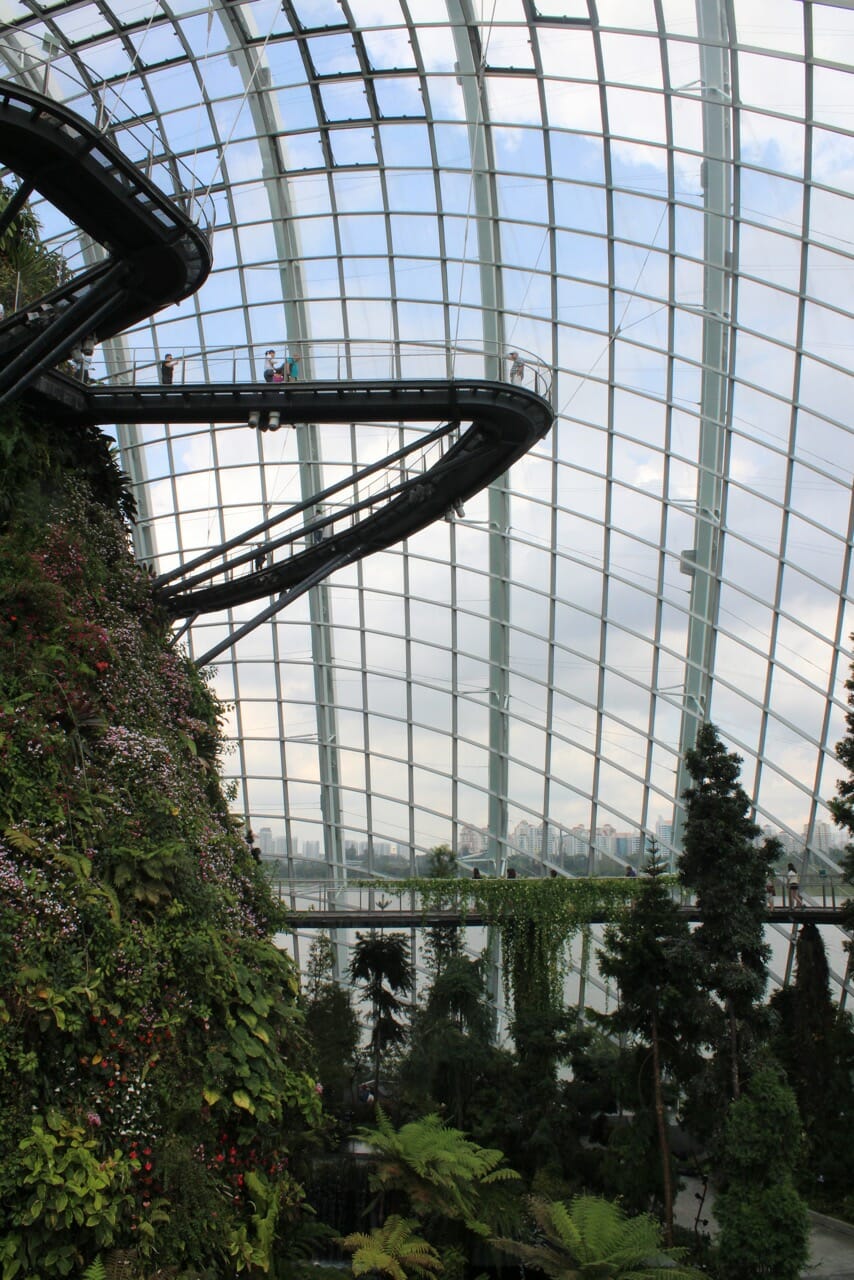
(842, 804)
(590, 1236)
(154, 1092)
(27, 268)
(814, 1042)
(537, 921)
(728, 871)
(652, 957)
(762, 1218)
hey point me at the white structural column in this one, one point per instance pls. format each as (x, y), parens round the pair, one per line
(703, 560)
(484, 211)
(268, 125)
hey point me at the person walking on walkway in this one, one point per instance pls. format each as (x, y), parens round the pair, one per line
(167, 369)
(795, 899)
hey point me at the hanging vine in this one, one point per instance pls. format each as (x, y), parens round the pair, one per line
(536, 920)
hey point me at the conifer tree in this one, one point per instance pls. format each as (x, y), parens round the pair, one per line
(451, 1043)
(657, 969)
(722, 864)
(815, 1045)
(764, 1228)
(331, 1021)
(842, 806)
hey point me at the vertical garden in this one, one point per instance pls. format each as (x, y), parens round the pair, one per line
(155, 1102)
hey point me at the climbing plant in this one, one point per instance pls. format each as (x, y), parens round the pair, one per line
(537, 920)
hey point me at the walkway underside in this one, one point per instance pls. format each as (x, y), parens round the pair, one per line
(504, 422)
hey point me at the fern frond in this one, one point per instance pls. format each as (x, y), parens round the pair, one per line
(20, 841)
(391, 1250)
(592, 1236)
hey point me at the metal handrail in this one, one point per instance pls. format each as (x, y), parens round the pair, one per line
(370, 894)
(351, 360)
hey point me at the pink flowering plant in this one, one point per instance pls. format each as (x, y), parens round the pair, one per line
(155, 1099)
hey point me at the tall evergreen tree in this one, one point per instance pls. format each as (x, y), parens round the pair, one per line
(764, 1228)
(842, 805)
(816, 1047)
(451, 1043)
(651, 957)
(331, 1022)
(728, 872)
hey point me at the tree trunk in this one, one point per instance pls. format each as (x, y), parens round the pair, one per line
(733, 1049)
(377, 1049)
(664, 1146)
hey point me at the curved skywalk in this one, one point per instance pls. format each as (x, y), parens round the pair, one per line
(379, 505)
(156, 256)
(154, 253)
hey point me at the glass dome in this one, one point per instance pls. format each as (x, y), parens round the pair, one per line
(649, 199)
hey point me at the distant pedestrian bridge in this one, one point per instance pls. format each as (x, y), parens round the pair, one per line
(398, 904)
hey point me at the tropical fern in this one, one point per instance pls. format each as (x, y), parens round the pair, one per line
(95, 1271)
(593, 1237)
(438, 1168)
(391, 1250)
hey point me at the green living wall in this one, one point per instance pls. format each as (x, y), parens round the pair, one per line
(154, 1099)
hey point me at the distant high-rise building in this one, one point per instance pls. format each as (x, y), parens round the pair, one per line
(473, 840)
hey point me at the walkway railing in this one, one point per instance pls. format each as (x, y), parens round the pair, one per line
(353, 360)
(371, 895)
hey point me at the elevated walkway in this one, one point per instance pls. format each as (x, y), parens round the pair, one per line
(441, 470)
(154, 253)
(374, 905)
(343, 918)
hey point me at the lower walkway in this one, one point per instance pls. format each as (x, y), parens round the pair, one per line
(831, 1241)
